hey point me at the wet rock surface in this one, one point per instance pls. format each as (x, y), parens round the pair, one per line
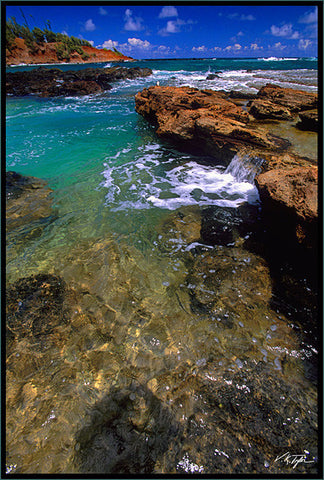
(130, 430)
(226, 225)
(28, 204)
(55, 82)
(203, 120)
(125, 389)
(308, 120)
(289, 201)
(34, 307)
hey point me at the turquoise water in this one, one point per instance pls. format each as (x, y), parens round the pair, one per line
(126, 239)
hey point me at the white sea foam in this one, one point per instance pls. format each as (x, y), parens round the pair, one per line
(248, 81)
(151, 178)
(277, 59)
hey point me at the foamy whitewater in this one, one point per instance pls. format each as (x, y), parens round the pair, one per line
(142, 183)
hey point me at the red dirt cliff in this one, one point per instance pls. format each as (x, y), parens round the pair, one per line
(46, 53)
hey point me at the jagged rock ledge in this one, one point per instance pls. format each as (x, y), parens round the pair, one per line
(203, 120)
(54, 82)
(210, 122)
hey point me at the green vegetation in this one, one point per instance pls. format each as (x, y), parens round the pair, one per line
(37, 37)
(117, 52)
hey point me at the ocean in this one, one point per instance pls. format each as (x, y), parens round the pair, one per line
(124, 239)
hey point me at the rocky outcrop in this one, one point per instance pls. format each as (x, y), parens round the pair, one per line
(295, 100)
(47, 53)
(308, 120)
(55, 82)
(274, 102)
(262, 109)
(289, 201)
(204, 121)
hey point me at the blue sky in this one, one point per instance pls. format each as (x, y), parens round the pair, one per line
(157, 31)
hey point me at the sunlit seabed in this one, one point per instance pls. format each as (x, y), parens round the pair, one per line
(156, 322)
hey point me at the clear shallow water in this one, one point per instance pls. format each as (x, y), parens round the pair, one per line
(157, 322)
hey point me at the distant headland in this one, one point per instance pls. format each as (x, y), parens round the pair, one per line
(37, 46)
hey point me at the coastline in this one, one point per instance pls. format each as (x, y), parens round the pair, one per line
(168, 280)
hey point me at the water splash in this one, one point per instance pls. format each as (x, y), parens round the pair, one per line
(245, 169)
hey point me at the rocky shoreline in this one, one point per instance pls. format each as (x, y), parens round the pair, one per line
(216, 124)
(92, 323)
(54, 82)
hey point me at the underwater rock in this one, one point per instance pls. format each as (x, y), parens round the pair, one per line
(29, 204)
(203, 121)
(224, 282)
(255, 416)
(181, 227)
(126, 433)
(55, 82)
(225, 225)
(34, 306)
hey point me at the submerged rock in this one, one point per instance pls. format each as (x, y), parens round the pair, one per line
(55, 82)
(34, 306)
(227, 282)
(126, 433)
(202, 121)
(29, 203)
(225, 225)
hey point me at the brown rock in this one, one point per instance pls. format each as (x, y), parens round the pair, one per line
(308, 120)
(289, 200)
(202, 121)
(262, 109)
(294, 100)
(47, 53)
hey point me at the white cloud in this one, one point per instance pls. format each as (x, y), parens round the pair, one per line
(235, 47)
(109, 44)
(309, 17)
(102, 11)
(218, 49)
(202, 48)
(168, 12)
(89, 25)
(247, 17)
(255, 46)
(243, 17)
(136, 42)
(174, 26)
(303, 44)
(279, 46)
(133, 24)
(285, 30)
